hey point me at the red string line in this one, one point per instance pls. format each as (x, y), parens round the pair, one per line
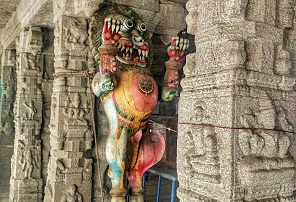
(234, 128)
(67, 107)
(183, 123)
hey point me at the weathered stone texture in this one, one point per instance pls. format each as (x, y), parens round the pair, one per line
(26, 181)
(238, 83)
(70, 124)
(7, 97)
(240, 79)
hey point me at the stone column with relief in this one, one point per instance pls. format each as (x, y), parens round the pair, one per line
(8, 87)
(26, 181)
(71, 134)
(238, 143)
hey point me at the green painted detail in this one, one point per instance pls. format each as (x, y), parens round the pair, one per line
(120, 112)
(129, 130)
(144, 119)
(121, 126)
(131, 118)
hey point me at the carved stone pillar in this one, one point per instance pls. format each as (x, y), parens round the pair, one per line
(46, 86)
(8, 87)
(238, 142)
(26, 181)
(71, 138)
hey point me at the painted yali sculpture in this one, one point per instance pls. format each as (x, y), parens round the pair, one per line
(128, 94)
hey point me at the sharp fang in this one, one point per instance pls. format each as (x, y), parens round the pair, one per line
(146, 54)
(126, 49)
(117, 26)
(119, 46)
(131, 50)
(177, 41)
(123, 47)
(109, 23)
(113, 25)
(187, 46)
(181, 46)
(112, 28)
(181, 43)
(139, 52)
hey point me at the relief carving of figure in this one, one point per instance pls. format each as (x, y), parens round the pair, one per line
(74, 111)
(29, 162)
(31, 110)
(265, 152)
(75, 31)
(128, 94)
(35, 40)
(202, 157)
(72, 195)
(260, 142)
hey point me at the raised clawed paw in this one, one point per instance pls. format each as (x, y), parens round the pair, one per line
(177, 48)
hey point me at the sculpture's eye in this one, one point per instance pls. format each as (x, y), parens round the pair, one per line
(141, 27)
(127, 24)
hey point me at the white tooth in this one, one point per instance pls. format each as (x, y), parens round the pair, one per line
(177, 41)
(109, 23)
(117, 26)
(113, 25)
(119, 45)
(123, 47)
(139, 52)
(181, 40)
(113, 28)
(131, 50)
(126, 49)
(146, 53)
(187, 43)
(181, 46)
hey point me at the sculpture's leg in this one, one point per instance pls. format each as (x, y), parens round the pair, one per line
(115, 153)
(150, 152)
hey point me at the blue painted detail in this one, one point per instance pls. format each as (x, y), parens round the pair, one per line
(102, 84)
(158, 188)
(115, 147)
(170, 175)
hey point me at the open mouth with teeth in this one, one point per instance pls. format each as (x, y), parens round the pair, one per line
(132, 54)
